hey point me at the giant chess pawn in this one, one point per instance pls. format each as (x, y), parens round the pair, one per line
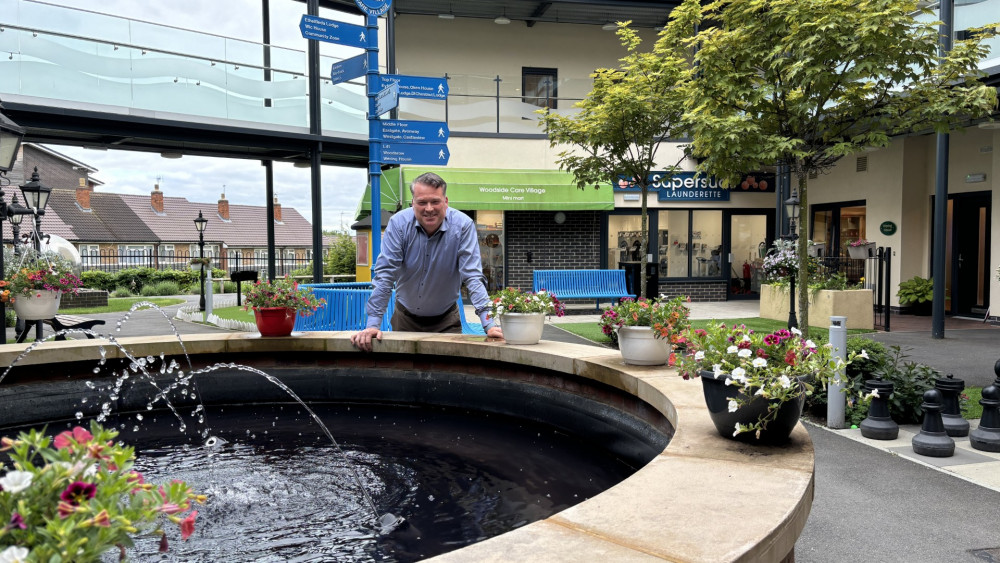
(879, 424)
(987, 436)
(932, 440)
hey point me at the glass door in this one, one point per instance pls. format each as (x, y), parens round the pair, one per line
(747, 241)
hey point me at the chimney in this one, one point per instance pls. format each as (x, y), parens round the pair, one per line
(83, 195)
(277, 211)
(156, 199)
(224, 207)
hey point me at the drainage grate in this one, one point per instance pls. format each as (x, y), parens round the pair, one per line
(991, 554)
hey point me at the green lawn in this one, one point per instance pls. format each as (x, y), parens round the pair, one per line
(973, 409)
(234, 314)
(121, 304)
(592, 331)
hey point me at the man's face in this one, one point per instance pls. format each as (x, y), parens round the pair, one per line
(429, 206)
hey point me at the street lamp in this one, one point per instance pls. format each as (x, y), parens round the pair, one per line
(792, 210)
(200, 223)
(10, 143)
(36, 196)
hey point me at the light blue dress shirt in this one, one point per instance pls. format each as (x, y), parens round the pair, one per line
(428, 272)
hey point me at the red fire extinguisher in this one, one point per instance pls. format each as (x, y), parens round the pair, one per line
(746, 276)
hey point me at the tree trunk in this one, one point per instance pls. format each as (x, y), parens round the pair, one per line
(645, 243)
(802, 282)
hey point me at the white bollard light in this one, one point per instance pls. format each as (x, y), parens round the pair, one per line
(836, 401)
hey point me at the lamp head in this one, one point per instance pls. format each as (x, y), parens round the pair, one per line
(200, 223)
(36, 194)
(10, 141)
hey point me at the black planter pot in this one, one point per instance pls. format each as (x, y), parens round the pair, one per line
(717, 395)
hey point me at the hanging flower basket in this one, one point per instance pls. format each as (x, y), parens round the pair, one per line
(38, 306)
(862, 251)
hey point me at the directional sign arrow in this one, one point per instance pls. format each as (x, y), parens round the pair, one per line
(426, 87)
(406, 153)
(348, 69)
(387, 99)
(331, 31)
(419, 132)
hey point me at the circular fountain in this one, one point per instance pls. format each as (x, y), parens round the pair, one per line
(700, 497)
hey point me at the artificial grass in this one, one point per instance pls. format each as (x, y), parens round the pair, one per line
(592, 331)
(234, 314)
(972, 410)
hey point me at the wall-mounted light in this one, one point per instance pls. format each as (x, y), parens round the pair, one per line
(609, 26)
(173, 155)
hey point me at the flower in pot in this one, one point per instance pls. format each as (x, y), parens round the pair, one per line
(645, 329)
(276, 303)
(35, 288)
(860, 248)
(756, 382)
(76, 496)
(917, 293)
(522, 313)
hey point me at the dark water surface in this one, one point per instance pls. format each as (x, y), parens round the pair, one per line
(279, 491)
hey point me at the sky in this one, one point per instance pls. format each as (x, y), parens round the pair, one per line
(203, 179)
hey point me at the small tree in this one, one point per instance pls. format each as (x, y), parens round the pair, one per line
(341, 256)
(624, 119)
(806, 82)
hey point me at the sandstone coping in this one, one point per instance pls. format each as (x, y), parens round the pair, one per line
(703, 498)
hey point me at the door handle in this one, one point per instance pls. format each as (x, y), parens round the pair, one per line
(730, 257)
(959, 260)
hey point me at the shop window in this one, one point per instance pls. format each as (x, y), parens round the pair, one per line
(624, 240)
(836, 225)
(489, 229)
(538, 86)
(706, 244)
(673, 244)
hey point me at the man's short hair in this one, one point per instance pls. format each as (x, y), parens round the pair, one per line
(430, 179)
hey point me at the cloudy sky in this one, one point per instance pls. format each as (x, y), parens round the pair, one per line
(204, 179)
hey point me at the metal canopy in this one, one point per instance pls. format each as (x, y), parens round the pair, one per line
(642, 13)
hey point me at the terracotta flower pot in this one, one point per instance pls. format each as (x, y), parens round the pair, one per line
(274, 321)
(38, 306)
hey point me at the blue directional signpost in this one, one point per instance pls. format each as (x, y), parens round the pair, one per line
(389, 141)
(349, 69)
(331, 31)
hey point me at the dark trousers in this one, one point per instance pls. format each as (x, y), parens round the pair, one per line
(405, 321)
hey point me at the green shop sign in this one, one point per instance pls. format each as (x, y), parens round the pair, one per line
(887, 228)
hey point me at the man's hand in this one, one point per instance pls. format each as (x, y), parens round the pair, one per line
(363, 339)
(494, 332)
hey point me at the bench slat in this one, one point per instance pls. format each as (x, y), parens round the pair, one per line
(582, 284)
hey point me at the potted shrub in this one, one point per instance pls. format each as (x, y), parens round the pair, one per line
(861, 249)
(645, 329)
(755, 383)
(36, 287)
(916, 293)
(76, 496)
(276, 303)
(522, 313)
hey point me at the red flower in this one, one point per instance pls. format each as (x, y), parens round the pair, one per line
(187, 525)
(78, 492)
(790, 357)
(65, 439)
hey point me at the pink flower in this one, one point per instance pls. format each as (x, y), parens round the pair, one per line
(187, 525)
(65, 439)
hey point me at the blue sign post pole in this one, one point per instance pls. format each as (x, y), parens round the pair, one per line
(374, 139)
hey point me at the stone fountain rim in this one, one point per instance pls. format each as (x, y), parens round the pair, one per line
(703, 498)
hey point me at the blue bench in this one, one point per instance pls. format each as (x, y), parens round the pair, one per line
(582, 284)
(345, 309)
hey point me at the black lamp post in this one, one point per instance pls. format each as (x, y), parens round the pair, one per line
(200, 223)
(10, 143)
(36, 197)
(792, 210)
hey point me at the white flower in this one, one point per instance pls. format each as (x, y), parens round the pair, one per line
(699, 355)
(864, 355)
(733, 406)
(760, 391)
(737, 433)
(759, 363)
(739, 374)
(16, 481)
(732, 350)
(785, 382)
(874, 394)
(717, 370)
(14, 554)
(810, 344)
(796, 331)
(744, 353)
(746, 338)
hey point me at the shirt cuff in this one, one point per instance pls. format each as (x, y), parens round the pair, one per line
(374, 322)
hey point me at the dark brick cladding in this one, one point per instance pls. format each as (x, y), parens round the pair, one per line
(52, 171)
(574, 245)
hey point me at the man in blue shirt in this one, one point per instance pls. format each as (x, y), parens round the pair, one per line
(428, 252)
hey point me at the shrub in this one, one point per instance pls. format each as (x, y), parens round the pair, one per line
(167, 288)
(915, 290)
(148, 291)
(857, 371)
(909, 379)
(97, 279)
(122, 292)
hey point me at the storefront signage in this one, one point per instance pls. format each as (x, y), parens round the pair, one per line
(887, 228)
(679, 186)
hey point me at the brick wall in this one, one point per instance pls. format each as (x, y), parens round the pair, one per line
(86, 298)
(697, 291)
(574, 245)
(52, 171)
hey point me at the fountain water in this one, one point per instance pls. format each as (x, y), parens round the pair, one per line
(142, 368)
